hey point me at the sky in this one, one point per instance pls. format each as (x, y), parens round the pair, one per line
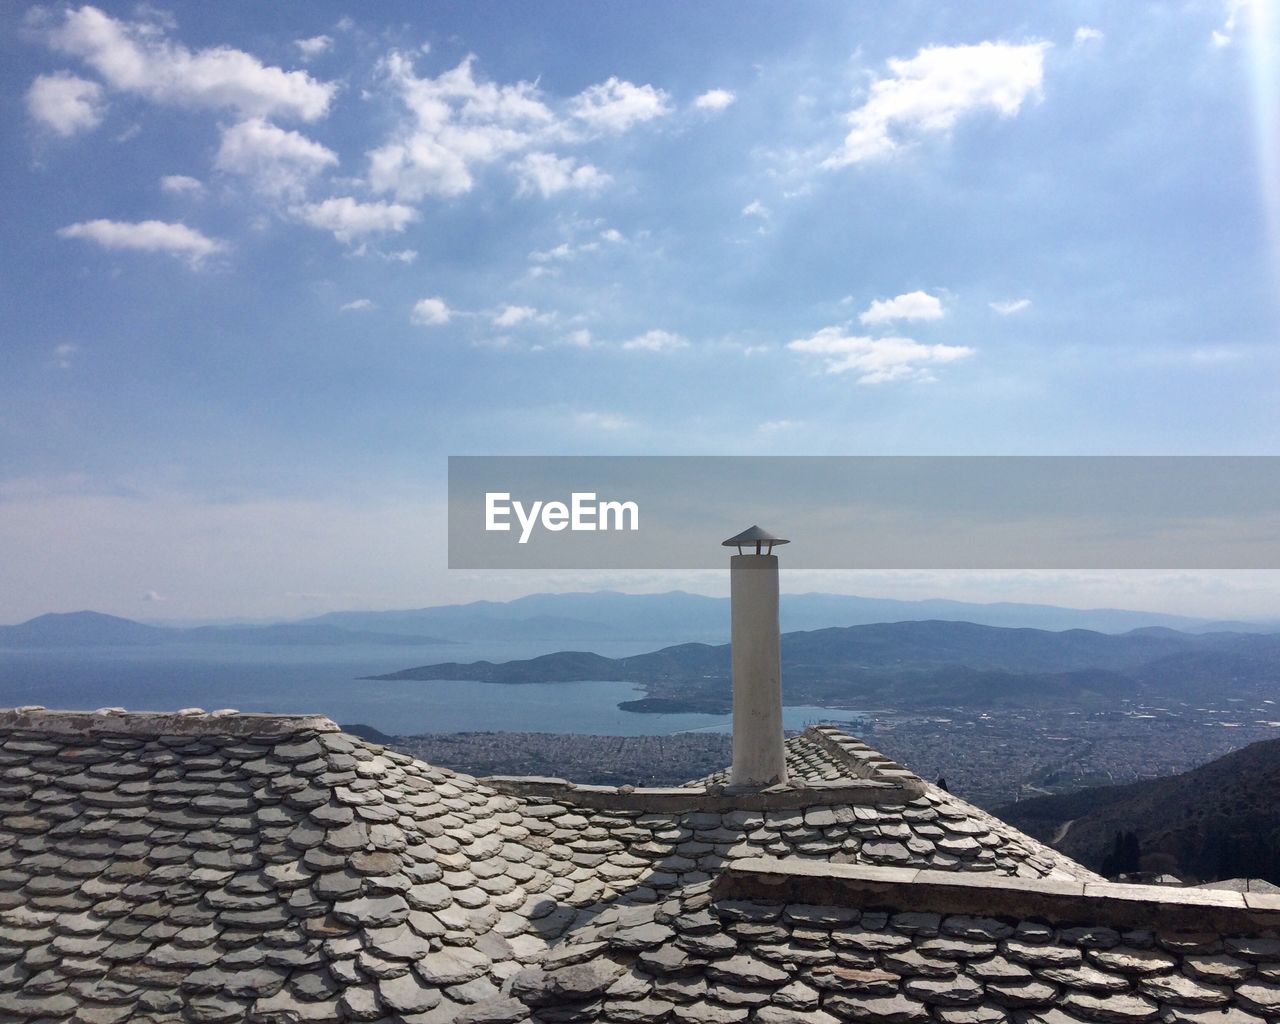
(265, 266)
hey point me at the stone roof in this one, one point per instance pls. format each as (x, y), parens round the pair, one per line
(820, 754)
(778, 942)
(227, 867)
(1242, 885)
(933, 827)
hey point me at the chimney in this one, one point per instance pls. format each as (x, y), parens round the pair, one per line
(759, 758)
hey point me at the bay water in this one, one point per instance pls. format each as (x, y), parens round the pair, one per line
(327, 681)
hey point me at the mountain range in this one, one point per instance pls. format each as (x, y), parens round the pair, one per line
(927, 664)
(677, 615)
(584, 619)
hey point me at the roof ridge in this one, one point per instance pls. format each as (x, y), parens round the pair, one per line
(186, 722)
(864, 760)
(1096, 901)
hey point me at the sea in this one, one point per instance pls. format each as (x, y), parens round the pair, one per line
(328, 681)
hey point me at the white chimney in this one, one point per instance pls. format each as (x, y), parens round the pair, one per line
(759, 757)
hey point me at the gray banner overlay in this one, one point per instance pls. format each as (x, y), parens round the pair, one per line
(867, 512)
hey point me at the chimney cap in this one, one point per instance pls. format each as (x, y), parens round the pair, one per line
(753, 535)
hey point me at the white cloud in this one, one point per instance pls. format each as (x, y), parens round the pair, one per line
(755, 208)
(279, 163)
(909, 306)
(777, 426)
(563, 251)
(313, 47)
(715, 100)
(611, 235)
(356, 306)
(455, 124)
(655, 341)
(146, 236)
(458, 124)
(181, 185)
(1085, 34)
(601, 421)
(550, 175)
(137, 57)
(1224, 36)
(431, 312)
(64, 355)
(1008, 307)
(1215, 354)
(400, 255)
(65, 103)
(350, 219)
(510, 316)
(580, 338)
(499, 342)
(616, 106)
(930, 92)
(877, 360)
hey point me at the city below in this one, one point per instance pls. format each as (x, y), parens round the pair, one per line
(991, 758)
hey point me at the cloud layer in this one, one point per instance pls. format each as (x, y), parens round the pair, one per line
(351, 220)
(928, 93)
(655, 341)
(146, 236)
(458, 123)
(877, 360)
(909, 306)
(65, 103)
(279, 163)
(138, 58)
(432, 312)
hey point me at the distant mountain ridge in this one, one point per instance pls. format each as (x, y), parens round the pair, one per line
(94, 629)
(586, 618)
(915, 664)
(1221, 820)
(677, 615)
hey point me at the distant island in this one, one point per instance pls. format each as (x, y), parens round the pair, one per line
(924, 665)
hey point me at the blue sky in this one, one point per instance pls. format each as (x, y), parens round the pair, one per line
(266, 266)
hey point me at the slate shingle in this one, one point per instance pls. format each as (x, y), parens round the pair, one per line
(270, 868)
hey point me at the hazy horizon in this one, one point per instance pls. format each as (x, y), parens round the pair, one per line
(1081, 598)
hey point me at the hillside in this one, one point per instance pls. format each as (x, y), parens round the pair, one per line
(1221, 820)
(80, 629)
(917, 664)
